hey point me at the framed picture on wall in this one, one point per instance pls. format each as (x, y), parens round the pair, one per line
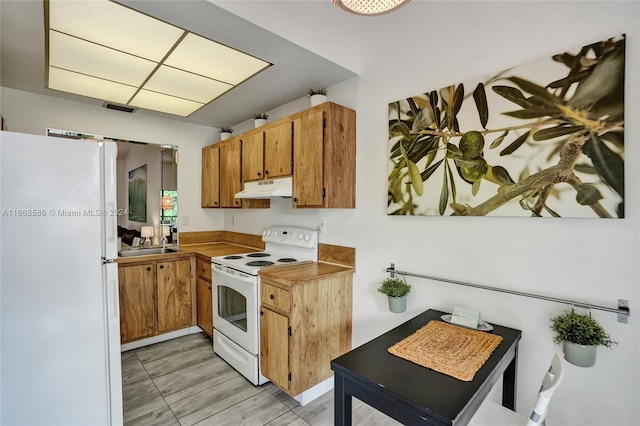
(138, 194)
(543, 139)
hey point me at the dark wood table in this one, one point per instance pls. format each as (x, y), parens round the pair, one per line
(415, 395)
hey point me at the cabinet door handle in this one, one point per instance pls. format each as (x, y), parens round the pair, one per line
(161, 266)
(148, 268)
(260, 174)
(266, 172)
(295, 200)
(261, 313)
(271, 296)
(209, 287)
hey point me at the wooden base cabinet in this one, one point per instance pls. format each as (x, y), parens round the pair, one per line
(155, 297)
(137, 291)
(303, 326)
(204, 296)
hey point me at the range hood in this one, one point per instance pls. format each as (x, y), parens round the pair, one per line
(281, 187)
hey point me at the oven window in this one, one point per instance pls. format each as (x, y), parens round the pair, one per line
(232, 306)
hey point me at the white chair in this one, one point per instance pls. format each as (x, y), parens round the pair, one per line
(493, 414)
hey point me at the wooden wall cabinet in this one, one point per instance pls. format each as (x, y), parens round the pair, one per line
(303, 327)
(317, 147)
(324, 157)
(204, 296)
(230, 172)
(210, 195)
(155, 297)
(267, 153)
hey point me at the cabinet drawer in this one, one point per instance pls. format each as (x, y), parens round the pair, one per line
(276, 297)
(203, 269)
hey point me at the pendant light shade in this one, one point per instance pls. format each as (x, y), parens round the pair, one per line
(370, 7)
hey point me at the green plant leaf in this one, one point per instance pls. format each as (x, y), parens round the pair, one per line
(475, 187)
(429, 171)
(554, 132)
(606, 78)
(501, 175)
(610, 166)
(530, 87)
(567, 80)
(587, 194)
(497, 141)
(453, 151)
(458, 97)
(528, 113)
(515, 144)
(416, 178)
(454, 192)
(480, 98)
(399, 128)
(512, 94)
(444, 195)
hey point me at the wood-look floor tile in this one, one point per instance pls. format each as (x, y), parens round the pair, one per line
(281, 395)
(319, 412)
(178, 360)
(366, 415)
(194, 379)
(214, 400)
(257, 410)
(129, 361)
(170, 347)
(288, 419)
(160, 417)
(143, 401)
(132, 382)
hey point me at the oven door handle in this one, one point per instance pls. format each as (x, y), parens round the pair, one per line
(240, 277)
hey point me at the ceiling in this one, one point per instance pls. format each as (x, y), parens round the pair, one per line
(295, 69)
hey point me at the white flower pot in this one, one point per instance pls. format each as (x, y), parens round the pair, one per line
(224, 135)
(580, 355)
(317, 99)
(397, 304)
(259, 122)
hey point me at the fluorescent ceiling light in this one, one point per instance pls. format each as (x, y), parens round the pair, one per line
(106, 51)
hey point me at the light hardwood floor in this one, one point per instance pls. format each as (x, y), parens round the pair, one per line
(182, 382)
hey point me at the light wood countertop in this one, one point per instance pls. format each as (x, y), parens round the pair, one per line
(303, 272)
(207, 250)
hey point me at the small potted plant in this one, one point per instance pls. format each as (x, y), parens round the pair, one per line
(396, 291)
(580, 336)
(260, 119)
(225, 132)
(318, 95)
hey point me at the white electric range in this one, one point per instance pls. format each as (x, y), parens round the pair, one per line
(236, 294)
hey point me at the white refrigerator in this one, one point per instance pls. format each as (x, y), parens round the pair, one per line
(59, 319)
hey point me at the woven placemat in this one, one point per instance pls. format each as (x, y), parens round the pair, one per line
(449, 349)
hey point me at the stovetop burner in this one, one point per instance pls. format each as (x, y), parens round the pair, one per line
(258, 255)
(232, 257)
(287, 260)
(259, 263)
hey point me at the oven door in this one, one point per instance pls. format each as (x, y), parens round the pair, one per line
(235, 306)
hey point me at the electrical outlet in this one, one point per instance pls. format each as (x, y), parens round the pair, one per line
(323, 227)
(185, 220)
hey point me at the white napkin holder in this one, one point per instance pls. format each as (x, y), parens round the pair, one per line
(465, 317)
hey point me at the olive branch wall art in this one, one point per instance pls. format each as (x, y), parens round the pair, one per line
(545, 139)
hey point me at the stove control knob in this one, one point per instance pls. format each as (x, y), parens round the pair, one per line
(268, 231)
(264, 233)
(307, 237)
(300, 236)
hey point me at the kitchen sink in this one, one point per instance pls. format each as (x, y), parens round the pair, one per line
(146, 251)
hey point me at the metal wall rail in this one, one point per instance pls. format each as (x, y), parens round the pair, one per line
(622, 310)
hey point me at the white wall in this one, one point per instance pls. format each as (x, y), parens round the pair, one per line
(31, 113)
(429, 45)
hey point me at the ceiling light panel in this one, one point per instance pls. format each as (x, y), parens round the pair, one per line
(103, 50)
(214, 60)
(110, 24)
(165, 103)
(185, 85)
(71, 82)
(84, 57)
